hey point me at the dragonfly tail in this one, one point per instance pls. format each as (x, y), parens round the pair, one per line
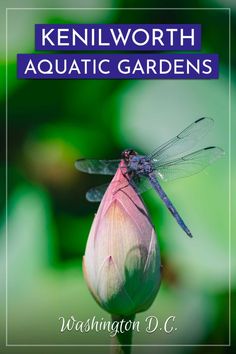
(156, 185)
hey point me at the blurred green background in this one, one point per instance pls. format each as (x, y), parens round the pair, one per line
(53, 123)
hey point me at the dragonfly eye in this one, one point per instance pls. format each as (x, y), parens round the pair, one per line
(126, 154)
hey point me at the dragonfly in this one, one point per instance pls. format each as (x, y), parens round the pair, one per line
(171, 160)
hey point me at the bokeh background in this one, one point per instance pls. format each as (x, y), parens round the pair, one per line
(53, 123)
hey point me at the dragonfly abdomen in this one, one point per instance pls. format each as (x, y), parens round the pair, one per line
(156, 185)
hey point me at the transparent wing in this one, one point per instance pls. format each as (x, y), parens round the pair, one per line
(183, 142)
(99, 167)
(188, 164)
(140, 186)
(95, 194)
(178, 168)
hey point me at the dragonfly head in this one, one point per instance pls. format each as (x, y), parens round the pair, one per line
(127, 154)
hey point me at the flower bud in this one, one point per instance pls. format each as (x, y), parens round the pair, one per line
(122, 259)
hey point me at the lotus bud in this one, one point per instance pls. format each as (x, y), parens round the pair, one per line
(122, 259)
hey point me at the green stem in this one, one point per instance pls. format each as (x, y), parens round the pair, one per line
(121, 342)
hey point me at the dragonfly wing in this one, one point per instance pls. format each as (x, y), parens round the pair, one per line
(99, 167)
(188, 164)
(183, 142)
(141, 184)
(95, 194)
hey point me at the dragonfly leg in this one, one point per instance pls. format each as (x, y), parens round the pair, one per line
(121, 188)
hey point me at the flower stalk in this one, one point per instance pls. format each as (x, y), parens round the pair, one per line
(122, 341)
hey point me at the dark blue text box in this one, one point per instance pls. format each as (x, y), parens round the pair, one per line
(109, 37)
(117, 66)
